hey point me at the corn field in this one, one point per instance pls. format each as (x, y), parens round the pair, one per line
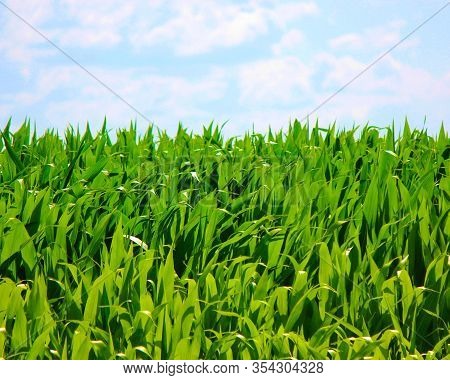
(309, 243)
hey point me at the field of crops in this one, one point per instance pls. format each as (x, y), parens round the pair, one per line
(312, 243)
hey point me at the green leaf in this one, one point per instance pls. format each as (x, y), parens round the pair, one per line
(12, 154)
(117, 251)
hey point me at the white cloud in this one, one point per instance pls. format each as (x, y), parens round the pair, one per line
(414, 83)
(45, 83)
(188, 27)
(374, 38)
(391, 84)
(352, 105)
(277, 80)
(97, 12)
(69, 23)
(19, 43)
(283, 13)
(349, 41)
(94, 22)
(274, 90)
(85, 38)
(380, 37)
(338, 70)
(163, 99)
(34, 12)
(197, 27)
(289, 42)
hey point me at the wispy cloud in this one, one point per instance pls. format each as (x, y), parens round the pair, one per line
(289, 42)
(196, 27)
(19, 43)
(380, 37)
(162, 98)
(95, 23)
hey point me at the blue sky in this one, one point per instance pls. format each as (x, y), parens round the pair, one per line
(250, 63)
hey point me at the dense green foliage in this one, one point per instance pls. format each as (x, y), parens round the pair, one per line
(306, 244)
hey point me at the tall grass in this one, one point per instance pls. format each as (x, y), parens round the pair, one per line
(313, 243)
